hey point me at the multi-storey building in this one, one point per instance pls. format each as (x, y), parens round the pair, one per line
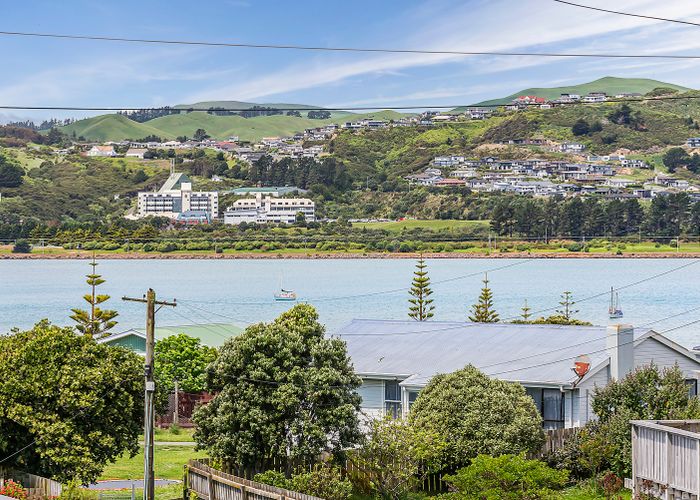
(267, 209)
(176, 197)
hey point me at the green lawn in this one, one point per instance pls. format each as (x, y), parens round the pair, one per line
(586, 493)
(434, 225)
(179, 436)
(168, 461)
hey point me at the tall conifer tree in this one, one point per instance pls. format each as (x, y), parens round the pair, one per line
(421, 308)
(483, 311)
(96, 322)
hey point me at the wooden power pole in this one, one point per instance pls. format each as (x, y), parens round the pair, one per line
(149, 407)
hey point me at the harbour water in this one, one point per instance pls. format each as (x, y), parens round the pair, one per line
(241, 291)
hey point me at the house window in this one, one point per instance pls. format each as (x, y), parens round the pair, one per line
(392, 398)
(692, 384)
(412, 396)
(550, 404)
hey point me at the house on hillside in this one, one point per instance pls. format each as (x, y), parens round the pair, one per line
(211, 335)
(102, 151)
(396, 359)
(136, 152)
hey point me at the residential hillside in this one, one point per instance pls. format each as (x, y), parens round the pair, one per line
(610, 85)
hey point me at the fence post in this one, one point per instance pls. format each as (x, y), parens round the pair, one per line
(185, 484)
(244, 493)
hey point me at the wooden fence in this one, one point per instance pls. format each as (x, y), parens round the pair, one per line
(212, 484)
(36, 486)
(555, 439)
(666, 458)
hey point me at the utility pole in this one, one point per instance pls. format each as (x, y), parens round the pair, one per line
(149, 408)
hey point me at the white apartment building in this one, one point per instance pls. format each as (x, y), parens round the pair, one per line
(176, 197)
(267, 209)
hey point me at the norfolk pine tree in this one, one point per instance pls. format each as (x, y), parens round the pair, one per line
(96, 322)
(421, 308)
(483, 311)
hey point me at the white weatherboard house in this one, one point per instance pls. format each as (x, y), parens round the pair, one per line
(396, 359)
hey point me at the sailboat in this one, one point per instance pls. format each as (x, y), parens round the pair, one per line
(614, 311)
(285, 295)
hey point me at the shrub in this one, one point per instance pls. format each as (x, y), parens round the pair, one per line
(13, 490)
(22, 246)
(323, 481)
(575, 247)
(476, 415)
(273, 478)
(508, 477)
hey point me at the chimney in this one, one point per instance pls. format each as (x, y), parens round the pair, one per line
(619, 343)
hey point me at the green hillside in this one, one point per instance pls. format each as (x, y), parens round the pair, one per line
(110, 128)
(609, 84)
(115, 127)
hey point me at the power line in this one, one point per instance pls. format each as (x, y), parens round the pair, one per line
(349, 108)
(316, 48)
(630, 14)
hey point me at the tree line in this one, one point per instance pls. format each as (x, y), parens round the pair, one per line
(666, 216)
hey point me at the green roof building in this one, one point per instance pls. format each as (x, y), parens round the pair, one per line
(210, 334)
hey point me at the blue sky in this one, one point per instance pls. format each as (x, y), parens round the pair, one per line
(86, 73)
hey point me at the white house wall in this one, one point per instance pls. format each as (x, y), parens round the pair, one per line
(652, 351)
(372, 393)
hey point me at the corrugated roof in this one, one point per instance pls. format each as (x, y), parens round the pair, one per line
(210, 334)
(419, 350)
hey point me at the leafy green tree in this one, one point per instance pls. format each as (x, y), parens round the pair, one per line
(508, 477)
(476, 414)
(648, 393)
(397, 455)
(675, 158)
(421, 308)
(283, 390)
(68, 405)
(483, 311)
(97, 321)
(200, 134)
(182, 358)
(11, 175)
(581, 127)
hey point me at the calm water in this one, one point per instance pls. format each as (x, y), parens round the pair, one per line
(240, 291)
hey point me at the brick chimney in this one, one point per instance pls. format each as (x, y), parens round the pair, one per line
(619, 344)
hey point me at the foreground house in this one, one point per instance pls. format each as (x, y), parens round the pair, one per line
(396, 359)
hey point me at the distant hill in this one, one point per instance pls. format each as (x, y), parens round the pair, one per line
(114, 127)
(609, 84)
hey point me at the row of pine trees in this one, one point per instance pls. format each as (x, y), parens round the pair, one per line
(421, 307)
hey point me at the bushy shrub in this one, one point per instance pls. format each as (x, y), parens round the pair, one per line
(22, 246)
(476, 414)
(575, 247)
(508, 477)
(168, 246)
(323, 481)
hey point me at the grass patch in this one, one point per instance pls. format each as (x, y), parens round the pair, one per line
(181, 435)
(168, 461)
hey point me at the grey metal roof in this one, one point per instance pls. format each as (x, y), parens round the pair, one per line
(525, 353)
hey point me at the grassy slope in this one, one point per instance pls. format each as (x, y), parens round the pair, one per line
(610, 84)
(168, 461)
(110, 127)
(117, 127)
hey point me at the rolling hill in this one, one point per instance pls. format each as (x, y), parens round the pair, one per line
(114, 127)
(609, 84)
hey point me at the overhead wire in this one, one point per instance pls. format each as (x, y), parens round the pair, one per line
(629, 14)
(318, 48)
(378, 107)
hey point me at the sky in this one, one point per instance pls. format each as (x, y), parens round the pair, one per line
(52, 72)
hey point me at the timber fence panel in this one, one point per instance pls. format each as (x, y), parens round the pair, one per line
(36, 486)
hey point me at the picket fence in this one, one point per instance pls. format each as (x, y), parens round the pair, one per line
(212, 484)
